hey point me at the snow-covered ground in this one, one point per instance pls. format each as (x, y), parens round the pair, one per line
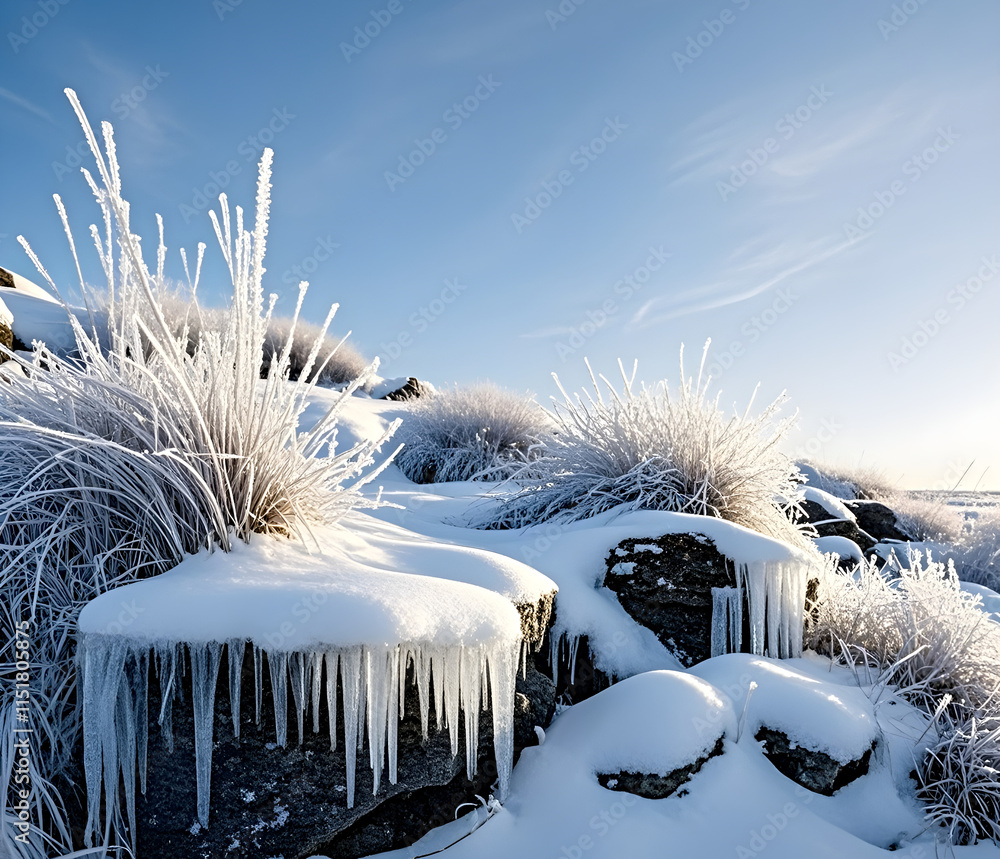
(737, 804)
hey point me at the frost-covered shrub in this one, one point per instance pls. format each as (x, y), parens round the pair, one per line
(481, 432)
(924, 635)
(849, 484)
(960, 778)
(336, 363)
(932, 637)
(658, 450)
(117, 462)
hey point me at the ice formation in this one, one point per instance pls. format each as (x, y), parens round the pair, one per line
(348, 611)
(775, 598)
(115, 683)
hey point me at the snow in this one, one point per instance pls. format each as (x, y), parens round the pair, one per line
(990, 598)
(738, 804)
(843, 547)
(833, 505)
(814, 707)
(354, 606)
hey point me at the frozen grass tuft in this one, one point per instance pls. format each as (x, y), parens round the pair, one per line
(960, 778)
(924, 635)
(138, 450)
(935, 637)
(648, 448)
(337, 363)
(481, 432)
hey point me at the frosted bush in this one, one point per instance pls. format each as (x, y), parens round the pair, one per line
(481, 432)
(932, 637)
(117, 462)
(649, 448)
(960, 778)
(336, 363)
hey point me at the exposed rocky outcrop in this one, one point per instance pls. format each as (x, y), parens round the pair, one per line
(666, 584)
(410, 390)
(879, 521)
(269, 801)
(827, 525)
(653, 786)
(814, 770)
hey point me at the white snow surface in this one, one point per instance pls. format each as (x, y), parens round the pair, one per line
(844, 547)
(990, 598)
(833, 505)
(371, 583)
(737, 805)
(816, 708)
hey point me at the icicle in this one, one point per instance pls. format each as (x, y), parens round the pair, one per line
(236, 650)
(142, 715)
(277, 663)
(574, 646)
(435, 668)
(258, 680)
(471, 688)
(776, 597)
(297, 670)
(378, 671)
(166, 657)
(422, 672)
(452, 693)
(205, 659)
(350, 662)
(394, 711)
(317, 685)
(727, 621)
(503, 671)
(331, 695)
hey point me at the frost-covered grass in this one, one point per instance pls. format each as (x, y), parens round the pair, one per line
(481, 432)
(336, 363)
(653, 449)
(117, 462)
(930, 639)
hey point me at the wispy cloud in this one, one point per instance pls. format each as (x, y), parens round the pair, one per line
(733, 286)
(24, 104)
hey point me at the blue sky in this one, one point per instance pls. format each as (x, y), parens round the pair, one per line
(498, 190)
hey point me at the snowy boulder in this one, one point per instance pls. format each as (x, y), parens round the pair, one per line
(687, 587)
(826, 525)
(817, 731)
(879, 522)
(403, 388)
(345, 640)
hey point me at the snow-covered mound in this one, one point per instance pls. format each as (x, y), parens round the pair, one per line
(372, 602)
(737, 804)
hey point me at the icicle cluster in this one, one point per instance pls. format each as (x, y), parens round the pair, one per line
(115, 718)
(775, 598)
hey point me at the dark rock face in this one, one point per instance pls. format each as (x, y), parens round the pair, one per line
(6, 279)
(878, 521)
(666, 584)
(653, 786)
(410, 391)
(270, 801)
(827, 525)
(814, 770)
